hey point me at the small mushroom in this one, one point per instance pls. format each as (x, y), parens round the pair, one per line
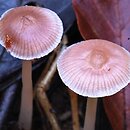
(29, 33)
(94, 68)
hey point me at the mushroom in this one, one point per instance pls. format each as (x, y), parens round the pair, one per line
(94, 68)
(28, 33)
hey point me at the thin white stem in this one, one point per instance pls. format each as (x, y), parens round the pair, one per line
(90, 116)
(25, 117)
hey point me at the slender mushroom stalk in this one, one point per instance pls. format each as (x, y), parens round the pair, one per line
(94, 68)
(29, 32)
(25, 117)
(90, 116)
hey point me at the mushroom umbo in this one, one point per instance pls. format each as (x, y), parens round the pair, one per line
(29, 33)
(94, 68)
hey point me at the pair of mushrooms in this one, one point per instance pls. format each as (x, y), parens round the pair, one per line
(93, 68)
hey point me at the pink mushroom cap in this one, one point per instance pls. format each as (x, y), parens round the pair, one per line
(29, 32)
(95, 68)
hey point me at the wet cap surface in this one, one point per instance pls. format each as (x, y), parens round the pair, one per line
(95, 68)
(30, 32)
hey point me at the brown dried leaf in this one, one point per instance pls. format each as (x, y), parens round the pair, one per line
(110, 20)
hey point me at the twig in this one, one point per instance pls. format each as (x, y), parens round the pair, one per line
(51, 65)
(65, 116)
(40, 92)
(74, 107)
(43, 85)
(45, 71)
(45, 104)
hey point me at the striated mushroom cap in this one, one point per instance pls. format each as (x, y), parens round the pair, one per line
(95, 68)
(30, 32)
